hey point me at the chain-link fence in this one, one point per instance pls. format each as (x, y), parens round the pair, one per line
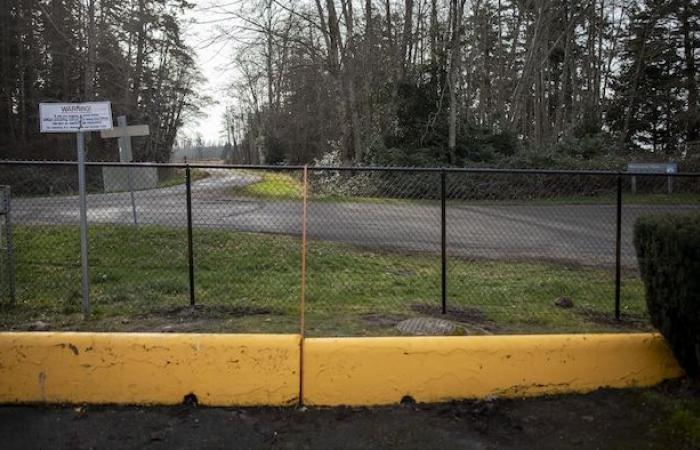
(7, 260)
(388, 251)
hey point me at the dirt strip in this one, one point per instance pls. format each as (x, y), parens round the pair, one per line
(624, 419)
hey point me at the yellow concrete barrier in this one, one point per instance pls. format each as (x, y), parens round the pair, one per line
(226, 370)
(134, 368)
(375, 371)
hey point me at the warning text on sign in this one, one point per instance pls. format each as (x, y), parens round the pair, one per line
(75, 117)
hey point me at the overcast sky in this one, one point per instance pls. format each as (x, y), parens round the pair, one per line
(214, 63)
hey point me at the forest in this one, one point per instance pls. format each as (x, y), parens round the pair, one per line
(129, 52)
(529, 83)
(502, 83)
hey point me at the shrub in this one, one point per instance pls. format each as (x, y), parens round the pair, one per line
(668, 250)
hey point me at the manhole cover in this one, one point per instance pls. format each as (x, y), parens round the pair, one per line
(426, 326)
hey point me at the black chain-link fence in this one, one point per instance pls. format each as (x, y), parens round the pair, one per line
(7, 260)
(389, 251)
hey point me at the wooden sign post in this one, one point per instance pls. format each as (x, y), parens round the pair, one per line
(123, 132)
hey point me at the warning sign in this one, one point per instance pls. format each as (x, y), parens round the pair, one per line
(75, 117)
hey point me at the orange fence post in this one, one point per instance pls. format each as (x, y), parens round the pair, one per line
(303, 249)
(302, 302)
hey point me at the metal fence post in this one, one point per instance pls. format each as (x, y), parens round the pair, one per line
(190, 251)
(443, 240)
(618, 239)
(82, 180)
(9, 245)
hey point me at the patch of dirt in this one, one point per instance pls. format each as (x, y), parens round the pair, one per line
(622, 418)
(473, 317)
(383, 320)
(208, 312)
(627, 321)
(182, 327)
(181, 319)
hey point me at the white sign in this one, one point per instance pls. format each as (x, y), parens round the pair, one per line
(652, 167)
(75, 117)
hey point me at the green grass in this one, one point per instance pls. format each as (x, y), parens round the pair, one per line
(250, 282)
(272, 185)
(284, 186)
(682, 198)
(280, 185)
(679, 412)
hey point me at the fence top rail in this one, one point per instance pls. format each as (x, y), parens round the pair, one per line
(477, 170)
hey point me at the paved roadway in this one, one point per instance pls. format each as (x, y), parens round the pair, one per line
(553, 232)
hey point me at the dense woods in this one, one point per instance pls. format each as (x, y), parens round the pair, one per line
(128, 51)
(497, 82)
(569, 83)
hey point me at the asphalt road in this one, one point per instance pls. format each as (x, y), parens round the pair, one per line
(545, 232)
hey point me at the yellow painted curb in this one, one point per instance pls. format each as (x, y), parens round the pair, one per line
(376, 371)
(135, 368)
(228, 370)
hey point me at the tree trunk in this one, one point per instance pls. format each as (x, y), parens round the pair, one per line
(269, 55)
(140, 50)
(349, 63)
(433, 32)
(693, 121)
(632, 95)
(455, 46)
(91, 63)
(406, 38)
(334, 35)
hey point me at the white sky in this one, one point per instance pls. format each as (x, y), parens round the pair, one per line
(212, 61)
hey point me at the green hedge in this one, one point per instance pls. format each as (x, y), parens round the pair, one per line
(668, 250)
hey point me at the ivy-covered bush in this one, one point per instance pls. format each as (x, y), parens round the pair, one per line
(668, 250)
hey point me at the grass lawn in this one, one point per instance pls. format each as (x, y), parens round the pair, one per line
(288, 185)
(249, 282)
(680, 198)
(272, 185)
(285, 185)
(678, 405)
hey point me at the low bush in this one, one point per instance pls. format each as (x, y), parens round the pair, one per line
(668, 250)
(48, 180)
